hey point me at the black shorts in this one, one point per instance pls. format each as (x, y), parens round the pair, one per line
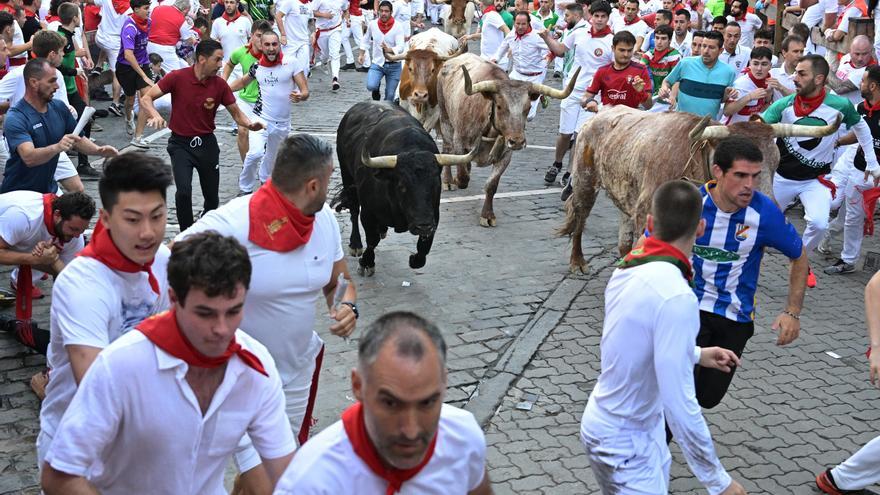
(130, 80)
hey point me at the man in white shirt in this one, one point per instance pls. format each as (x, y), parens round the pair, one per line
(403, 15)
(232, 29)
(329, 16)
(399, 436)
(632, 23)
(164, 406)
(681, 35)
(355, 29)
(732, 52)
(748, 22)
(281, 83)
(491, 32)
(845, 80)
(782, 78)
(384, 35)
(648, 356)
(292, 18)
(115, 282)
(113, 14)
(848, 9)
(755, 95)
(296, 251)
(528, 52)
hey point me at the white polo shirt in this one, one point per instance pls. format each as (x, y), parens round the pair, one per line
(738, 61)
(231, 35)
(279, 310)
(639, 29)
(372, 42)
(528, 52)
(334, 7)
(327, 463)
(748, 25)
(93, 305)
(590, 53)
(22, 226)
(135, 425)
(684, 48)
(784, 78)
(276, 84)
(492, 35)
(296, 21)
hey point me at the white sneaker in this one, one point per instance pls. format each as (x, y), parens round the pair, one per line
(140, 142)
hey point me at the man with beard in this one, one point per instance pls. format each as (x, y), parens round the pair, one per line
(748, 22)
(754, 93)
(280, 83)
(384, 35)
(399, 436)
(706, 82)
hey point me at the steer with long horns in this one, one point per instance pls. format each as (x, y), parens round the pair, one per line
(479, 102)
(390, 170)
(630, 153)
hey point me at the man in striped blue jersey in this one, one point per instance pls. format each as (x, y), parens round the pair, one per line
(740, 223)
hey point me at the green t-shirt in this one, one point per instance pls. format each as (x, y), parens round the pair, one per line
(69, 59)
(508, 18)
(716, 7)
(259, 9)
(242, 56)
(549, 22)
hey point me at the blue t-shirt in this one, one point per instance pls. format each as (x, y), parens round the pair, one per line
(702, 88)
(25, 124)
(727, 257)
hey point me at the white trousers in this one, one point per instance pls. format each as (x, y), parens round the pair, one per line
(276, 132)
(329, 44)
(851, 214)
(248, 179)
(433, 11)
(630, 462)
(519, 76)
(816, 199)
(356, 32)
(862, 469)
(170, 60)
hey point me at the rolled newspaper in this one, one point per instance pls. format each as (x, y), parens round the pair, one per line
(83, 120)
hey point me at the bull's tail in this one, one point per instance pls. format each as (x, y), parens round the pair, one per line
(344, 198)
(584, 182)
(575, 218)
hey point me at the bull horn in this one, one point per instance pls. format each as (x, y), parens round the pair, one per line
(384, 161)
(714, 132)
(797, 130)
(462, 47)
(396, 57)
(559, 94)
(480, 87)
(446, 160)
(697, 131)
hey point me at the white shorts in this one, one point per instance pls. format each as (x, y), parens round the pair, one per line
(629, 462)
(170, 60)
(572, 115)
(110, 45)
(65, 169)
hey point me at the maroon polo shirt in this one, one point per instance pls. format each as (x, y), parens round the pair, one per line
(194, 103)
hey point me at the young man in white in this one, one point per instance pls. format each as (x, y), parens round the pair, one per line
(113, 14)
(528, 52)
(755, 95)
(164, 406)
(232, 29)
(592, 49)
(281, 83)
(648, 357)
(288, 229)
(384, 35)
(292, 18)
(782, 77)
(399, 436)
(733, 53)
(355, 29)
(748, 22)
(115, 283)
(403, 15)
(491, 33)
(329, 16)
(631, 22)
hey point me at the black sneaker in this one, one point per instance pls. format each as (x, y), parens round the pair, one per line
(86, 172)
(839, 268)
(566, 191)
(363, 68)
(348, 66)
(551, 173)
(376, 95)
(116, 109)
(557, 75)
(101, 113)
(335, 85)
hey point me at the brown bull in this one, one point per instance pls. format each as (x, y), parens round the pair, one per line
(458, 18)
(476, 98)
(630, 153)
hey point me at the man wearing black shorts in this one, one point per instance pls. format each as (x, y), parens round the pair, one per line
(133, 65)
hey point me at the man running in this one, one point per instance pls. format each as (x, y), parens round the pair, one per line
(113, 14)
(706, 82)
(329, 16)
(384, 35)
(529, 55)
(292, 19)
(755, 95)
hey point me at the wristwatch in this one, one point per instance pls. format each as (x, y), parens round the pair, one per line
(354, 308)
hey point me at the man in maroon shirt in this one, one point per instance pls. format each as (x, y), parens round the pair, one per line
(196, 93)
(622, 82)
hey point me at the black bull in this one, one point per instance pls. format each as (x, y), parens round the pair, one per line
(390, 170)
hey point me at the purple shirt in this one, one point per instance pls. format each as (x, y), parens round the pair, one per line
(135, 40)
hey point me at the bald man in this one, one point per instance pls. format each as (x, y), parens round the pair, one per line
(845, 80)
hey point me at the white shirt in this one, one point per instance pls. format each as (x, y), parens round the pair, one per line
(684, 48)
(491, 34)
(22, 226)
(638, 29)
(334, 7)
(280, 307)
(18, 39)
(276, 84)
(372, 41)
(327, 463)
(648, 357)
(747, 26)
(589, 54)
(745, 85)
(846, 72)
(93, 305)
(528, 52)
(849, 13)
(296, 21)
(111, 22)
(231, 35)
(784, 78)
(815, 13)
(135, 421)
(739, 60)
(402, 10)
(12, 86)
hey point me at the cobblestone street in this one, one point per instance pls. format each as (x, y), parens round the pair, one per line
(521, 328)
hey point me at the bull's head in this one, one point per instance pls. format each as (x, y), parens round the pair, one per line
(415, 178)
(422, 67)
(510, 103)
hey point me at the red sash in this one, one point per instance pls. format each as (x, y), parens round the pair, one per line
(24, 283)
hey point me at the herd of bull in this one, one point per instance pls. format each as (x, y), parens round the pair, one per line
(393, 172)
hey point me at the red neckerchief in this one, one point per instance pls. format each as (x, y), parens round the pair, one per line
(526, 33)
(104, 250)
(277, 224)
(162, 330)
(120, 6)
(256, 55)
(47, 218)
(230, 20)
(869, 108)
(385, 26)
(265, 62)
(658, 56)
(7, 7)
(29, 13)
(488, 9)
(24, 283)
(52, 18)
(806, 106)
(600, 34)
(630, 23)
(761, 83)
(142, 24)
(656, 250)
(356, 430)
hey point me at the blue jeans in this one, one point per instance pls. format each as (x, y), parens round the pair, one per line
(391, 72)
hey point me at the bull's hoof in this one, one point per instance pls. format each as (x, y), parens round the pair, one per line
(417, 260)
(488, 222)
(366, 271)
(356, 252)
(579, 268)
(448, 186)
(383, 234)
(463, 183)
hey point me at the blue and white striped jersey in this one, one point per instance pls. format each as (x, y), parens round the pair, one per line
(727, 257)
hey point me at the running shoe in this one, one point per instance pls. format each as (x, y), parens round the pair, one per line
(566, 186)
(551, 173)
(811, 279)
(96, 127)
(140, 142)
(840, 267)
(116, 109)
(348, 66)
(824, 249)
(825, 482)
(86, 172)
(363, 68)
(129, 126)
(335, 86)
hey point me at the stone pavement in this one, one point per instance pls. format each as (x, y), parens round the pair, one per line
(517, 323)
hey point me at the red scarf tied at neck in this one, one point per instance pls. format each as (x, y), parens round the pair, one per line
(760, 83)
(385, 26)
(229, 20)
(600, 34)
(257, 55)
(24, 283)
(52, 18)
(356, 430)
(142, 24)
(806, 106)
(162, 330)
(104, 250)
(277, 224)
(656, 250)
(120, 6)
(521, 36)
(488, 9)
(871, 108)
(630, 23)
(265, 62)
